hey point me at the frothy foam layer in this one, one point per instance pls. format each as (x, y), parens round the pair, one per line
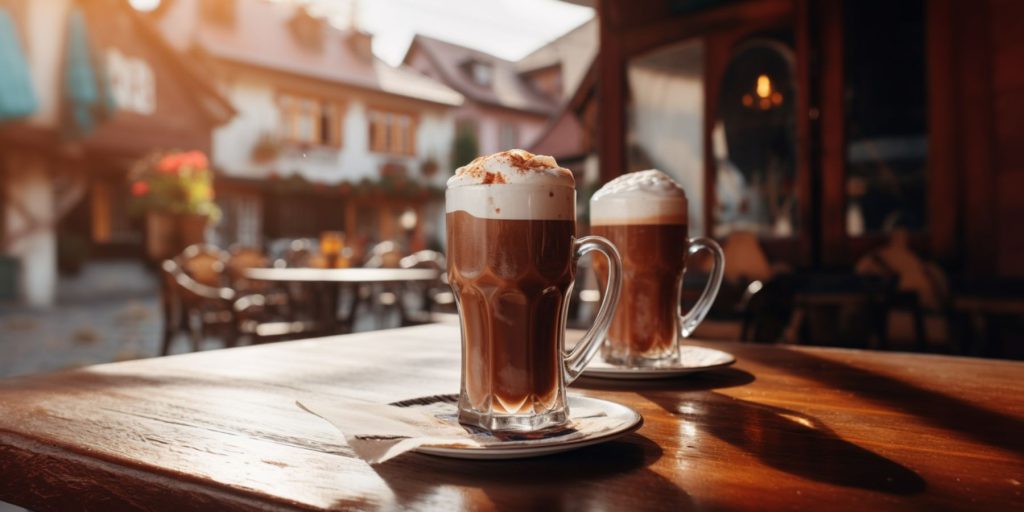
(514, 166)
(513, 185)
(645, 197)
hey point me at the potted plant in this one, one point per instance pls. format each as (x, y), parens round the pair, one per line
(266, 149)
(429, 167)
(464, 148)
(392, 169)
(174, 190)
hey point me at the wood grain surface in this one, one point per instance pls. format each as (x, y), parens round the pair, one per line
(785, 428)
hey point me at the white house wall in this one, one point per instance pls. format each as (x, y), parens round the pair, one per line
(255, 100)
(44, 50)
(29, 218)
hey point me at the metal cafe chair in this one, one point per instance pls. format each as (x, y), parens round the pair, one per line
(385, 254)
(379, 298)
(204, 263)
(191, 306)
(198, 298)
(242, 258)
(300, 253)
(436, 296)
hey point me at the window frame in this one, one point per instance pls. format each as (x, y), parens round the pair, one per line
(292, 106)
(386, 133)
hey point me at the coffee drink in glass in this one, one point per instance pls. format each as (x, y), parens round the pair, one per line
(512, 253)
(645, 215)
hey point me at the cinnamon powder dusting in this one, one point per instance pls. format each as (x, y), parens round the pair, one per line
(490, 177)
(521, 161)
(524, 162)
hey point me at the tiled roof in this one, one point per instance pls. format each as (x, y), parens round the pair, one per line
(261, 36)
(574, 52)
(508, 88)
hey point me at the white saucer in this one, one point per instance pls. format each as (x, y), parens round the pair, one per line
(692, 359)
(604, 421)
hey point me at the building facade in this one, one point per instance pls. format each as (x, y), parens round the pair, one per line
(102, 89)
(504, 108)
(327, 137)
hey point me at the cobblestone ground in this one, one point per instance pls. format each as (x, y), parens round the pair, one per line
(107, 313)
(74, 335)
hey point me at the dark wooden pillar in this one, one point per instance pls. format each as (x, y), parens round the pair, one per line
(974, 73)
(832, 213)
(611, 91)
(943, 150)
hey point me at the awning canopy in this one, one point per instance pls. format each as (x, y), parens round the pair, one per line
(17, 97)
(86, 94)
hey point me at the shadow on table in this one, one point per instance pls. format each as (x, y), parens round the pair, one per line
(791, 442)
(568, 481)
(715, 379)
(983, 425)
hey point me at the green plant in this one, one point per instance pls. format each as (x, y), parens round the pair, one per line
(464, 147)
(175, 182)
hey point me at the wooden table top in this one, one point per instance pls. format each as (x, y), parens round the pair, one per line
(785, 428)
(342, 275)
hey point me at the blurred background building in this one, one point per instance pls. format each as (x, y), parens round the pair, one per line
(307, 129)
(859, 160)
(318, 116)
(88, 88)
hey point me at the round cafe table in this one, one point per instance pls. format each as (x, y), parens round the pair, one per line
(330, 280)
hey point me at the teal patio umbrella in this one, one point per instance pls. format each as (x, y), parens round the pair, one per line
(86, 93)
(17, 97)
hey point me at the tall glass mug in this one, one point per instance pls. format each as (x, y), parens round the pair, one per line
(512, 253)
(644, 215)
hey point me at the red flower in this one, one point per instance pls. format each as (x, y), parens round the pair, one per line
(173, 162)
(170, 163)
(196, 159)
(140, 188)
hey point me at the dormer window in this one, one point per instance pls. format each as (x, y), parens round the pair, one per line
(307, 30)
(548, 80)
(361, 44)
(481, 73)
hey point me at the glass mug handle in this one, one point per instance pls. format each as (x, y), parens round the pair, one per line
(577, 359)
(689, 322)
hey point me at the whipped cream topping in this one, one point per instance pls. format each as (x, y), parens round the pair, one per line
(645, 197)
(514, 166)
(513, 185)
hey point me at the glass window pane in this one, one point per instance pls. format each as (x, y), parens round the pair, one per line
(754, 143)
(666, 119)
(886, 116)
